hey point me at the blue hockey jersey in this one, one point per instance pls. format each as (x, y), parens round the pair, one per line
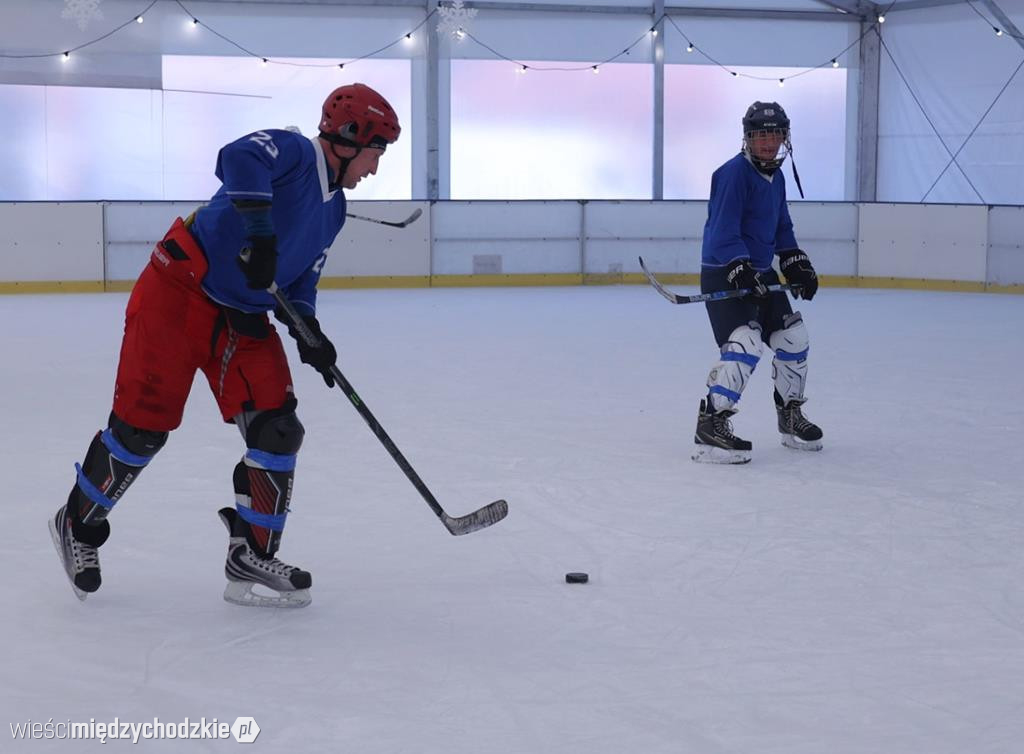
(290, 171)
(747, 216)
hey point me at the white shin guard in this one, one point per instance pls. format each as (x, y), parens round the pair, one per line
(789, 366)
(729, 376)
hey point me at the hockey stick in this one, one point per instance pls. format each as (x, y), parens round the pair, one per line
(676, 298)
(407, 221)
(490, 514)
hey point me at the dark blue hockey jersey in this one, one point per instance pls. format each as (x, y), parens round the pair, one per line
(290, 171)
(747, 216)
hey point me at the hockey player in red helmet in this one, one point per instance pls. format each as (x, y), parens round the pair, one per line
(356, 127)
(201, 305)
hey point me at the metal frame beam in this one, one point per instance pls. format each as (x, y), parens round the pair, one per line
(658, 51)
(433, 110)
(867, 112)
(506, 5)
(852, 7)
(918, 4)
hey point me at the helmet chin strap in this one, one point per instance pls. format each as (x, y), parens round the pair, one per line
(343, 164)
(768, 167)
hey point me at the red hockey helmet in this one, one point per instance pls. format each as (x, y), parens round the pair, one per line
(355, 115)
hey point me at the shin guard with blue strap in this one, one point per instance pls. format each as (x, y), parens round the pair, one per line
(740, 354)
(263, 478)
(115, 458)
(789, 365)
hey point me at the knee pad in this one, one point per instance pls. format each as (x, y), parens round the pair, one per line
(740, 355)
(276, 431)
(789, 365)
(140, 442)
(114, 460)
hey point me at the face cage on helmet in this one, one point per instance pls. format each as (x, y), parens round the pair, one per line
(785, 147)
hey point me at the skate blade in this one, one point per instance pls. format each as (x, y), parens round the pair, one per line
(241, 593)
(55, 536)
(792, 441)
(712, 454)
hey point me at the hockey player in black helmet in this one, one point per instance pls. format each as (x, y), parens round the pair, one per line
(748, 225)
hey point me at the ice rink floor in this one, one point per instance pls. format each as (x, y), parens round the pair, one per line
(867, 599)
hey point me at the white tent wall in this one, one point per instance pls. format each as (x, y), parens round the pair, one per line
(132, 57)
(949, 55)
(956, 66)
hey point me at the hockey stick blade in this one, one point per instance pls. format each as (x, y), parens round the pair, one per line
(407, 221)
(672, 297)
(675, 298)
(489, 515)
(481, 519)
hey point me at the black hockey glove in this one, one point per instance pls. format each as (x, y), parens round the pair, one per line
(741, 275)
(258, 261)
(799, 273)
(321, 357)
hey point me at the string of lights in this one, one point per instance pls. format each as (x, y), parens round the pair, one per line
(461, 33)
(66, 54)
(520, 66)
(407, 37)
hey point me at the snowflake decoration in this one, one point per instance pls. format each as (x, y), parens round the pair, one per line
(83, 11)
(455, 18)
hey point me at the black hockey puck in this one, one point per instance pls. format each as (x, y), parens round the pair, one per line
(576, 578)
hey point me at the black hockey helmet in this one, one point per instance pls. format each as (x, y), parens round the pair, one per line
(762, 118)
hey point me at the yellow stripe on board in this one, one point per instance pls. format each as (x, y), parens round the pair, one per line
(376, 281)
(914, 284)
(53, 286)
(550, 279)
(470, 281)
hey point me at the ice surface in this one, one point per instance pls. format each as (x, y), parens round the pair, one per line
(868, 598)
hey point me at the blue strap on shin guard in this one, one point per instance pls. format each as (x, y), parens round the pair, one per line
(272, 521)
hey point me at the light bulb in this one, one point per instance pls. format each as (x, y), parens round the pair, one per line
(881, 19)
(595, 69)
(689, 47)
(139, 19)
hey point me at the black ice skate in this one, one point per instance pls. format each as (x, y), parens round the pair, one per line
(797, 431)
(715, 441)
(77, 545)
(246, 569)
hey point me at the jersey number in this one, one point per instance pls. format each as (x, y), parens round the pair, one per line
(262, 137)
(318, 265)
